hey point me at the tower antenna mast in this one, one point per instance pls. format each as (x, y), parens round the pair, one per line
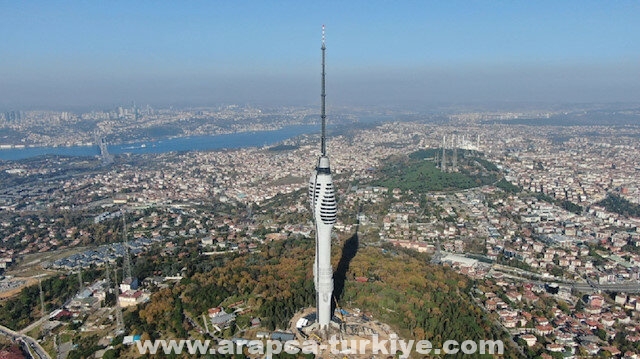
(323, 95)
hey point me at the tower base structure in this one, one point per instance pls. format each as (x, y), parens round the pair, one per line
(323, 333)
(348, 335)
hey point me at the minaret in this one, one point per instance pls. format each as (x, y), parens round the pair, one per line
(323, 207)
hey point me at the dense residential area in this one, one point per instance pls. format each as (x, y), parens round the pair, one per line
(541, 222)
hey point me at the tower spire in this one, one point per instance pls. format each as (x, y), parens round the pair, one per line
(323, 95)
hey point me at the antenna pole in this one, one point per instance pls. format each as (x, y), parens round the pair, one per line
(323, 95)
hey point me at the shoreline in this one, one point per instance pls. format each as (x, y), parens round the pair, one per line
(162, 145)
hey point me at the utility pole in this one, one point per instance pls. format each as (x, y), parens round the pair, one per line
(206, 326)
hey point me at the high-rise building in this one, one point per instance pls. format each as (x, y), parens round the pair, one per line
(324, 209)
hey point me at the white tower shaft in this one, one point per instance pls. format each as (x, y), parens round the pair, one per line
(323, 204)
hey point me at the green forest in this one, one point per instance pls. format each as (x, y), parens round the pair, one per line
(420, 300)
(419, 173)
(20, 311)
(508, 187)
(617, 204)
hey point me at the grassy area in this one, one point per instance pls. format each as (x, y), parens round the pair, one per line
(33, 333)
(65, 337)
(288, 180)
(49, 348)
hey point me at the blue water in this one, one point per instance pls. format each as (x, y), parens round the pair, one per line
(195, 143)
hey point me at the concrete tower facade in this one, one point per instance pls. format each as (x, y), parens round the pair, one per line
(323, 206)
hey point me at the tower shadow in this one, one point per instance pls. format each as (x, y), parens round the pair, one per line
(349, 250)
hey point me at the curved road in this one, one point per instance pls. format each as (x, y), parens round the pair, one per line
(32, 344)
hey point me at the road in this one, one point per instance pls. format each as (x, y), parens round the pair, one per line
(587, 286)
(43, 319)
(32, 344)
(618, 287)
(33, 325)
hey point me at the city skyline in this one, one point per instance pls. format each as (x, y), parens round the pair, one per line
(407, 53)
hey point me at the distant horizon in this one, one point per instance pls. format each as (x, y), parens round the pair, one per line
(73, 54)
(439, 107)
(436, 107)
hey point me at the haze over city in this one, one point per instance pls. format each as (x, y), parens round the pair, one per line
(86, 54)
(225, 176)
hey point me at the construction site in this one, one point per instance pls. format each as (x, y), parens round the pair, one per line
(347, 335)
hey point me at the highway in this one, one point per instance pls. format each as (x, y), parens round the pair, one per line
(618, 287)
(586, 286)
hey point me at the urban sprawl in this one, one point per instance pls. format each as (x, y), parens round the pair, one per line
(544, 232)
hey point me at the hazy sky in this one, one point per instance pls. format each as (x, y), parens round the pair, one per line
(76, 53)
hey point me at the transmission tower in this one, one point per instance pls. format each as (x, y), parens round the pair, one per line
(106, 277)
(119, 320)
(81, 287)
(126, 261)
(41, 297)
(107, 280)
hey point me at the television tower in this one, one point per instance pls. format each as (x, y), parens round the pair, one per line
(324, 209)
